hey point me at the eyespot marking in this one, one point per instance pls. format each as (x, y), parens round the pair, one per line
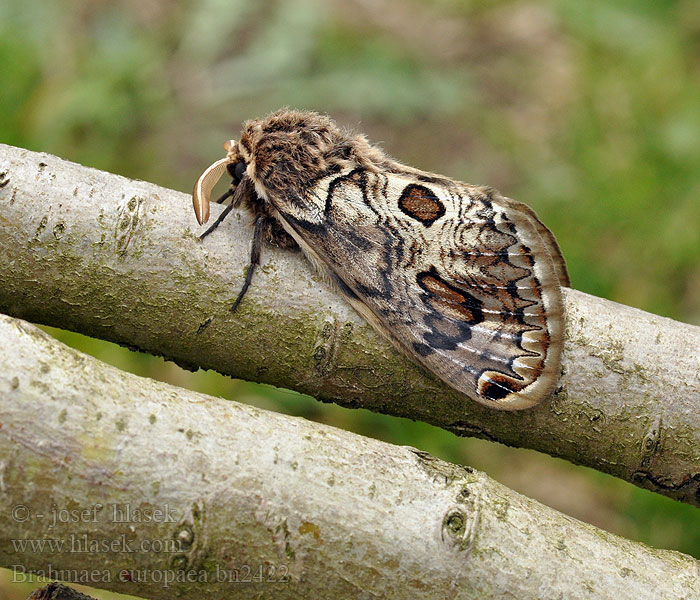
(495, 386)
(421, 203)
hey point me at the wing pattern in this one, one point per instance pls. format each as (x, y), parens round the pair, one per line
(461, 278)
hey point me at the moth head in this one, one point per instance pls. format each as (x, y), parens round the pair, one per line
(234, 163)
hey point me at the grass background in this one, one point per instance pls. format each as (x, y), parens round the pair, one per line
(587, 111)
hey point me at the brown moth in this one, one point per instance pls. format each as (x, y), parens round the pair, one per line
(461, 279)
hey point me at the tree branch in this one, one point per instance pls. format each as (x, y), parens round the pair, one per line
(163, 492)
(120, 260)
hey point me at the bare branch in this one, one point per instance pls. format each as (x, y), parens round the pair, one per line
(162, 492)
(120, 260)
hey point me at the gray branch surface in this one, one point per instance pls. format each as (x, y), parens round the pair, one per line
(140, 487)
(120, 260)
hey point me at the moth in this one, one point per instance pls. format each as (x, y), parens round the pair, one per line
(463, 280)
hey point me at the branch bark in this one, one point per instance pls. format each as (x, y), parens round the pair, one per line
(162, 492)
(120, 260)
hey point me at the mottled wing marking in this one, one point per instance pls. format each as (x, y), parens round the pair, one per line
(458, 276)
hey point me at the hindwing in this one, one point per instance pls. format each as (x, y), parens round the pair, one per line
(461, 278)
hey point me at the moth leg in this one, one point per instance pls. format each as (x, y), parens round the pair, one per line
(277, 236)
(258, 234)
(227, 194)
(223, 215)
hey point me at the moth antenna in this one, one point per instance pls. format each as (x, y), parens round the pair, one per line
(207, 180)
(205, 184)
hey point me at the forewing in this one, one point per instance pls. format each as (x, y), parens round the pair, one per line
(464, 280)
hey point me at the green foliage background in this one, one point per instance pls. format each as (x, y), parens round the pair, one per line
(587, 111)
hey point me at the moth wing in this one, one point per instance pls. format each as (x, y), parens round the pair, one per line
(550, 242)
(464, 280)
